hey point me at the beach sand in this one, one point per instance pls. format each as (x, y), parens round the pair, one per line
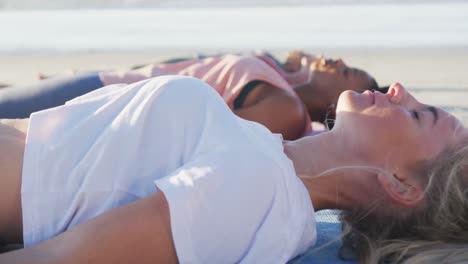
(415, 67)
(436, 75)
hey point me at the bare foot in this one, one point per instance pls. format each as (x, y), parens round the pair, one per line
(41, 76)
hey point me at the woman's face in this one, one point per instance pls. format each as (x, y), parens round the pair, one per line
(334, 76)
(395, 128)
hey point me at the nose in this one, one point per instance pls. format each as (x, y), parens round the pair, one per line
(396, 92)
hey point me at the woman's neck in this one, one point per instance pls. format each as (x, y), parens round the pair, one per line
(313, 99)
(327, 152)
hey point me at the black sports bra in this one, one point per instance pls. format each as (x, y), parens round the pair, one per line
(239, 101)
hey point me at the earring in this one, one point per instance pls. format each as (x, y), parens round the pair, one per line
(329, 117)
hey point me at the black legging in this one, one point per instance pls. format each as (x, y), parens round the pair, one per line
(21, 101)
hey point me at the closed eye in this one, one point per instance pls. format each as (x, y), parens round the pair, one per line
(415, 114)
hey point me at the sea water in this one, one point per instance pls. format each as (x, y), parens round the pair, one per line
(278, 27)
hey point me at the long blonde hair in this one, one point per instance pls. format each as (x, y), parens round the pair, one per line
(436, 232)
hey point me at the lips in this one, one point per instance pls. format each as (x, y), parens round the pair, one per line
(372, 96)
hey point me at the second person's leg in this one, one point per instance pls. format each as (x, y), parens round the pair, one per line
(21, 101)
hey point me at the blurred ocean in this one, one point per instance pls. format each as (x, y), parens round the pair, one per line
(341, 25)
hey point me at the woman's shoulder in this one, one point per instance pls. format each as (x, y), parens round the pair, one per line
(288, 110)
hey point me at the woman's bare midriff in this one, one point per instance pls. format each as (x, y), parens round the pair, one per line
(12, 142)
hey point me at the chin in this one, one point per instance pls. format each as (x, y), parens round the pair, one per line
(346, 101)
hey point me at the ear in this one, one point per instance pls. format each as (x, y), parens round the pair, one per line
(401, 191)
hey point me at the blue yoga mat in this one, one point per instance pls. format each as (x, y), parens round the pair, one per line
(328, 241)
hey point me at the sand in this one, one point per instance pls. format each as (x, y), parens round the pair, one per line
(436, 75)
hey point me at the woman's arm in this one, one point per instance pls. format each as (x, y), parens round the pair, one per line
(139, 232)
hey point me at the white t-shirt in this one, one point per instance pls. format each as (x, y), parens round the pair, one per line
(232, 192)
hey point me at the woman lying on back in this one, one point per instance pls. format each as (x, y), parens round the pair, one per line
(110, 178)
(284, 98)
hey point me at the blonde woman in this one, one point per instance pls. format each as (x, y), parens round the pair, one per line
(110, 178)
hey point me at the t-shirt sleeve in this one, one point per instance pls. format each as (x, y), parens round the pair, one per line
(217, 203)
